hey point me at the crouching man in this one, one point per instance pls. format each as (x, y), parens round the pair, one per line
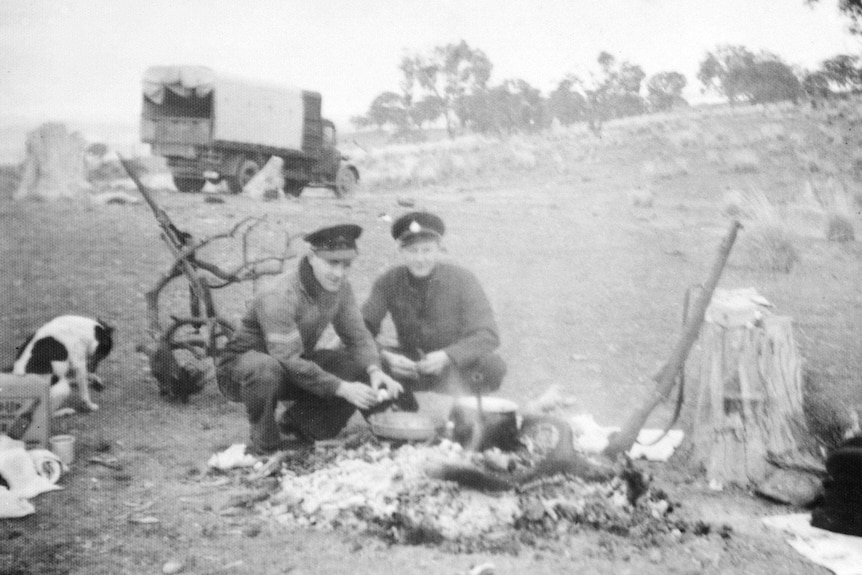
(272, 357)
(447, 335)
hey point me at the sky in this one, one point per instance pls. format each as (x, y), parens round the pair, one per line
(82, 60)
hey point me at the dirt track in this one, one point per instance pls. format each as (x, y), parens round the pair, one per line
(588, 292)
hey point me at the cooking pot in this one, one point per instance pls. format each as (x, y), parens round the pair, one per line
(498, 427)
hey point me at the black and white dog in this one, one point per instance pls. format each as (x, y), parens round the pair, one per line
(67, 347)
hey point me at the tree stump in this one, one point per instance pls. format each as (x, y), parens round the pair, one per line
(54, 167)
(749, 406)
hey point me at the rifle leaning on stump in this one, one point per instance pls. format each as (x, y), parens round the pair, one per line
(178, 243)
(666, 377)
(177, 380)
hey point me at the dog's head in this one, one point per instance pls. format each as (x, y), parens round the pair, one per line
(104, 335)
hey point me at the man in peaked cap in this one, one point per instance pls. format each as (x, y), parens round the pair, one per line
(272, 357)
(447, 335)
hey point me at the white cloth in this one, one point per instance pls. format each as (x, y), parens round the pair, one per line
(662, 450)
(13, 507)
(233, 456)
(27, 473)
(841, 554)
(590, 437)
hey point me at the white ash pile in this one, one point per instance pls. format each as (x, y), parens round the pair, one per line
(387, 491)
(375, 486)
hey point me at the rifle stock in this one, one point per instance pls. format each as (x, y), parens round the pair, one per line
(623, 440)
(175, 238)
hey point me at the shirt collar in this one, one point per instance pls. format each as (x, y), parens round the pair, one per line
(309, 283)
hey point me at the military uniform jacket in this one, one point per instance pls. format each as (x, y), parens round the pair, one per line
(287, 320)
(448, 310)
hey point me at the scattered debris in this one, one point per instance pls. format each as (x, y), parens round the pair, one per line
(145, 520)
(247, 499)
(114, 197)
(109, 462)
(483, 569)
(233, 456)
(173, 566)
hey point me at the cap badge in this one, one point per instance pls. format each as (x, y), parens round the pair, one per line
(415, 227)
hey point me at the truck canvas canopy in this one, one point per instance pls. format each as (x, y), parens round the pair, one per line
(184, 81)
(236, 107)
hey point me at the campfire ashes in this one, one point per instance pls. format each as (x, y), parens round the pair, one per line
(384, 490)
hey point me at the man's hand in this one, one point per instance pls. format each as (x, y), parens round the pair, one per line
(381, 381)
(399, 365)
(434, 363)
(357, 394)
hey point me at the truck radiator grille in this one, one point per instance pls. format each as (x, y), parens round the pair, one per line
(178, 162)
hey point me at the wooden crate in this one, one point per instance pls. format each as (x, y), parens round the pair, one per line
(25, 408)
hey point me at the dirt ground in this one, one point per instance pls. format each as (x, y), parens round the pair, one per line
(588, 291)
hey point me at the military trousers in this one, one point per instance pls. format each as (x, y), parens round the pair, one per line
(260, 382)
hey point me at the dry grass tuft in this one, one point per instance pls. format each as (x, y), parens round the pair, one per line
(754, 205)
(642, 197)
(743, 161)
(839, 228)
(665, 168)
(768, 244)
(770, 247)
(773, 131)
(811, 161)
(732, 203)
(836, 201)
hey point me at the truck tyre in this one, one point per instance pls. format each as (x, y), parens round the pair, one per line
(243, 171)
(346, 181)
(188, 185)
(294, 187)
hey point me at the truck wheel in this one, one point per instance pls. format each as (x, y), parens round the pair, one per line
(246, 168)
(189, 185)
(347, 181)
(294, 188)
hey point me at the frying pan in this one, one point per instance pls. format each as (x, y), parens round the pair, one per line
(403, 426)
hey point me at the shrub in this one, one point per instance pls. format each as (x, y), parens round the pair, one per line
(767, 243)
(713, 157)
(836, 201)
(665, 169)
(523, 159)
(839, 228)
(743, 160)
(768, 246)
(642, 197)
(812, 162)
(773, 131)
(684, 138)
(732, 203)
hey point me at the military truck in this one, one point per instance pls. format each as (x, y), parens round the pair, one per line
(213, 126)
